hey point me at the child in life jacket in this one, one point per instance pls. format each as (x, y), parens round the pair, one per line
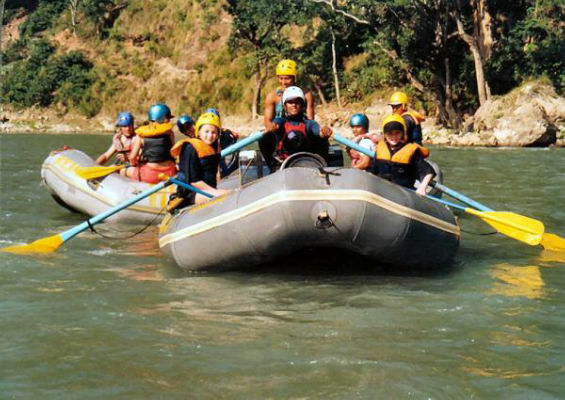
(228, 137)
(360, 127)
(295, 133)
(399, 161)
(150, 155)
(198, 161)
(121, 141)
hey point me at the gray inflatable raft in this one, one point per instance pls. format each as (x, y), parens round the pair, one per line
(301, 208)
(95, 196)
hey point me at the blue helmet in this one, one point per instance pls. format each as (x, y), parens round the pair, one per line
(184, 123)
(159, 112)
(125, 119)
(213, 111)
(359, 119)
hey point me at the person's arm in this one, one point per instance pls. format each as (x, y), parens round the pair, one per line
(106, 156)
(424, 171)
(270, 105)
(133, 156)
(424, 184)
(310, 105)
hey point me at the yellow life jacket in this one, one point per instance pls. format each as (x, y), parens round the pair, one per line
(402, 156)
(154, 129)
(202, 149)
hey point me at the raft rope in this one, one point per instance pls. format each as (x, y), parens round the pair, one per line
(162, 211)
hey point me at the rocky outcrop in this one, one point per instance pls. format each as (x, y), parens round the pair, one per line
(532, 115)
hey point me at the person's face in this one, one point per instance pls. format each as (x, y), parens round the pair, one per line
(127, 131)
(209, 133)
(286, 80)
(358, 130)
(394, 138)
(398, 108)
(294, 107)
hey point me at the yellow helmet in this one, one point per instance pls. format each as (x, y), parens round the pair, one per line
(287, 67)
(208, 118)
(394, 122)
(398, 98)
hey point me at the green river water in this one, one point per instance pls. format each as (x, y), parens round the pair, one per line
(113, 319)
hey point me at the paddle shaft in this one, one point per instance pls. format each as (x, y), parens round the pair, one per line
(461, 197)
(252, 138)
(355, 146)
(190, 187)
(101, 217)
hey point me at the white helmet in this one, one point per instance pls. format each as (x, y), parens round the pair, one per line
(293, 92)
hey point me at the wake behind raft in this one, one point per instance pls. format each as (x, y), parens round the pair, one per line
(294, 209)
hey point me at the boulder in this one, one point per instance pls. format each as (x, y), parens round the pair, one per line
(532, 115)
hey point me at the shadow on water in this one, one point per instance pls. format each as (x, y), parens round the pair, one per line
(328, 263)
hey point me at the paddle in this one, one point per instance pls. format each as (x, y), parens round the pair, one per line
(507, 222)
(549, 241)
(97, 171)
(52, 243)
(513, 225)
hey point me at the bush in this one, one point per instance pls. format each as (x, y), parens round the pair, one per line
(43, 18)
(44, 79)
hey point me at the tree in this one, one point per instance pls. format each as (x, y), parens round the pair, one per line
(256, 32)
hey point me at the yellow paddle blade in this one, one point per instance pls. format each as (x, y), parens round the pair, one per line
(516, 226)
(553, 242)
(96, 172)
(45, 245)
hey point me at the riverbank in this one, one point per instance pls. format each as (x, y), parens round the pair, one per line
(530, 116)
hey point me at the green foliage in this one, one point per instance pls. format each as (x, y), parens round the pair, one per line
(45, 78)
(43, 17)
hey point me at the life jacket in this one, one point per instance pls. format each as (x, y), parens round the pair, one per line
(156, 142)
(414, 131)
(294, 139)
(208, 157)
(397, 167)
(119, 143)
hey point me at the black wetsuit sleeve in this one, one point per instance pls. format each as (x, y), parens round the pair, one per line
(422, 167)
(410, 125)
(189, 165)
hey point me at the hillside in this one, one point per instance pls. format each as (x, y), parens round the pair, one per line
(71, 69)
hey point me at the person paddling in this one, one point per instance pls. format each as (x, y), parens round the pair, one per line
(121, 141)
(150, 155)
(399, 103)
(399, 161)
(294, 133)
(198, 161)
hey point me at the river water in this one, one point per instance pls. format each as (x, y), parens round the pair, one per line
(112, 319)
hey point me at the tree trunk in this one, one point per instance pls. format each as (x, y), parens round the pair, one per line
(334, 69)
(73, 8)
(260, 78)
(481, 39)
(320, 93)
(452, 115)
